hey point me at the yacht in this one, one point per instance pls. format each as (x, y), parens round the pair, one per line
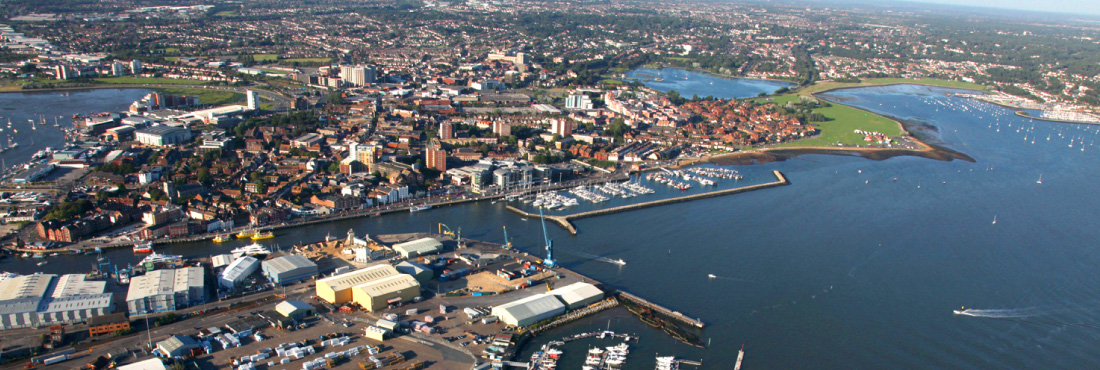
(667, 363)
(146, 247)
(421, 207)
(250, 250)
(161, 258)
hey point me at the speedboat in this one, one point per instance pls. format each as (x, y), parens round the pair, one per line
(619, 262)
(712, 276)
(961, 311)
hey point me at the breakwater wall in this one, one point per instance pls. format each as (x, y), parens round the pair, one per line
(566, 221)
(676, 315)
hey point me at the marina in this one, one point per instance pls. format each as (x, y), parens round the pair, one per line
(565, 221)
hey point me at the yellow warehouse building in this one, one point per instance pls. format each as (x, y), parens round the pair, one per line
(373, 287)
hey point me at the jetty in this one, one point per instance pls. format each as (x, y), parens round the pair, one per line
(566, 221)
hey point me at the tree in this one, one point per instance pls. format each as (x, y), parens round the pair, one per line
(204, 176)
(28, 68)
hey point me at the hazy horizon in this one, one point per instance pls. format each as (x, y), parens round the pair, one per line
(1050, 6)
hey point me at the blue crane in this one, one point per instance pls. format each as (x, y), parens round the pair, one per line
(507, 242)
(549, 262)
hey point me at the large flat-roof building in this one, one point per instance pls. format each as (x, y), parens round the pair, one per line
(419, 247)
(529, 310)
(373, 288)
(166, 290)
(381, 293)
(289, 269)
(577, 295)
(162, 135)
(45, 299)
(237, 271)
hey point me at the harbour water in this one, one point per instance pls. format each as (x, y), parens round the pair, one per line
(856, 264)
(49, 105)
(688, 83)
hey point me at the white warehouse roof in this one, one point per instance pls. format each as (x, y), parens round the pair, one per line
(578, 294)
(529, 310)
(238, 271)
(418, 247)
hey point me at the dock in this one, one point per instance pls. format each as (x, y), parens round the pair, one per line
(566, 221)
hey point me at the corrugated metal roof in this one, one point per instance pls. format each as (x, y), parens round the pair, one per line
(419, 246)
(576, 292)
(239, 269)
(26, 286)
(388, 285)
(539, 305)
(288, 263)
(358, 277)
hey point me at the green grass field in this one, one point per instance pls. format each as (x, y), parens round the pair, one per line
(265, 57)
(211, 97)
(844, 120)
(304, 60)
(824, 86)
(147, 80)
(227, 13)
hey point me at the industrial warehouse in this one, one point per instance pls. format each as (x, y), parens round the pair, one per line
(289, 269)
(372, 288)
(166, 290)
(45, 299)
(237, 271)
(419, 247)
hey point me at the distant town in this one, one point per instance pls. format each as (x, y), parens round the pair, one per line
(274, 114)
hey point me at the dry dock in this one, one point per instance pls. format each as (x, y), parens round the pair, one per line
(566, 221)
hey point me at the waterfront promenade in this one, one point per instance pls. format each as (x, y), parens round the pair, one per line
(566, 221)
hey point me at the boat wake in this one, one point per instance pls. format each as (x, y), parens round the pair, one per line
(731, 278)
(1007, 313)
(618, 262)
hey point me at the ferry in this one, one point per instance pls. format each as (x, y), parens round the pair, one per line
(250, 250)
(246, 234)
(223, 238)
(263, 235)
(422, 207)
(146, 247)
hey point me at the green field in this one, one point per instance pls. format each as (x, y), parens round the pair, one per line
(844, 120)
(170, 50)
(227, 13)
(210, 97)
(305, 60)
(147, 80)
(825, 86)
(265, 57)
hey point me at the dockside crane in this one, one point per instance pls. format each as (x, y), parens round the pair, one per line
(457, 235)
(507, 242)
(549, 262)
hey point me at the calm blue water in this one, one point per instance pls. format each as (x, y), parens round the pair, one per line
(62, 105)
(846, 267)
(688, 82)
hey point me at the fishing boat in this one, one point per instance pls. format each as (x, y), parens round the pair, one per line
(253, 249)
(422, 207)
(221, 238)
(263, 235)
(246, 234)
(146, 247)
